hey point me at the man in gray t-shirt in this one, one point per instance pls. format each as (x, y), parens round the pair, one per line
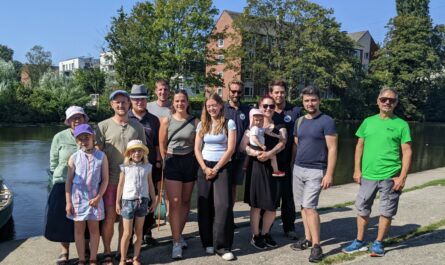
(161, 106)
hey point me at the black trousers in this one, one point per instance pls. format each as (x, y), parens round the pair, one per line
(287, 202)
(215, 214)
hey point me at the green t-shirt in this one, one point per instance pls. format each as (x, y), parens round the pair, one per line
(382, 140)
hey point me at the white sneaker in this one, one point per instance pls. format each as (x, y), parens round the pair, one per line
(183, 243)
(210, 250)
(177, 251)
(228, 256)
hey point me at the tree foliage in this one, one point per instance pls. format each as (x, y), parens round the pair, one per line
(91, 80)
(6, 53)
(39, 61)
(164, 39)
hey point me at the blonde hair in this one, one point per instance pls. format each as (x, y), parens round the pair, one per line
(128, 160)
(206, 120)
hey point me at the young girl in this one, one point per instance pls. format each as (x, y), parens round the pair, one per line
(87, 180)
(257, 140)
(135, 196)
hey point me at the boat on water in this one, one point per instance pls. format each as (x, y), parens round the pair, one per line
(6, 204)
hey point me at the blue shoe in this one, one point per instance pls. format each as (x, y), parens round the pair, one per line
(377, 249)
(355, 246)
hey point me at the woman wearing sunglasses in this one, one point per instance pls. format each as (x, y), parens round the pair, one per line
(262, 189)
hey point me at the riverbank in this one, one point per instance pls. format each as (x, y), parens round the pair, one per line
(418, 208)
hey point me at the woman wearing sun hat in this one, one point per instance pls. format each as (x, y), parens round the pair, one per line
(58, 228)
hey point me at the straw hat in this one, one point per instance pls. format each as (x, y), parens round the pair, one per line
(134, 144)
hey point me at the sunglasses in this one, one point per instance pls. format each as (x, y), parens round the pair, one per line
(236, 92)
(270, 106)
(389, 100)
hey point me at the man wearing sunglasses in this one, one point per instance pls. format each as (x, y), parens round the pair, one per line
(238, 112)
(287, 114)
(378, 167)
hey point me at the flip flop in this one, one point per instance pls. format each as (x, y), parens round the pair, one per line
(62, 259)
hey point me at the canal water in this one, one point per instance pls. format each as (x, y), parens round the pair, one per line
(24, 158)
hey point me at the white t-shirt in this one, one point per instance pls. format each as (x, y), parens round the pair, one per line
(259, 133)
(215, 144)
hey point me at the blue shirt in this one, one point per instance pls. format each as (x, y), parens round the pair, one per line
(241, 118)
(312, 151)
(215, 144)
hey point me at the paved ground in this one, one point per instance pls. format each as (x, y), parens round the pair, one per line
(417, 208)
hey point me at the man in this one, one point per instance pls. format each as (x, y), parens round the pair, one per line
(287, 114)
(112, 137)
(161, 106)
(138, 112)
(234, 110)
(379, 167)
(315, 138)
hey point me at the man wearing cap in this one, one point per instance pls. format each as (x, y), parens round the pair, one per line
(234, 110)
(161, 106)
(139, 113)
(112, 137)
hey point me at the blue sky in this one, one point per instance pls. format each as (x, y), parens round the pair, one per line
(77, 28)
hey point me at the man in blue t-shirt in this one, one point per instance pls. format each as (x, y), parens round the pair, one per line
(239, 113)
(287, 114)
(316, 154)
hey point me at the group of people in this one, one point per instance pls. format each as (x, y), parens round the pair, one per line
(284, 157)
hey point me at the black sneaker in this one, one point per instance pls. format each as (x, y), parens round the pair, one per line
(150, 241)
(316, 254)
(268, 240)
(301, 244)
(258, 242)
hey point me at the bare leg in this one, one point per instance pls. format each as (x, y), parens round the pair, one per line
(307, 232)
(79, 237)
(187, 189)
(362, 224)
(65, 249)
(274, 164)
(93, 227)
(138, 226)
(384, 224)
(127, 225)
(255, 220)
(108, 228)
(268, 219)
(313, 223)
(174, 193)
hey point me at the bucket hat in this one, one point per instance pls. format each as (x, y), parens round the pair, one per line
(73, 110)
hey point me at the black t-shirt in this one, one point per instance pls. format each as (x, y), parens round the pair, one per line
(241, 118)
(151, 127)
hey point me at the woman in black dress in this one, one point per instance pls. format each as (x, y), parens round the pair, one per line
(262, 190)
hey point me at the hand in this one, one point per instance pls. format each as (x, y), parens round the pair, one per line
(153, 206)
(94, 202)
(357, 176)
(326, 182)
(118, 208)
(263, 147)
(399, 183)
(69, 209)
(209, 174)
(158, 164)
(264, 156)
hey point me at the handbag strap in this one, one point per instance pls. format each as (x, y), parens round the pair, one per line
(180, 128)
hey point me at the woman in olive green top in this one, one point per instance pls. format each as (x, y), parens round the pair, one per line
(58, 228)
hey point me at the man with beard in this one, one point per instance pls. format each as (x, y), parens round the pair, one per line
(239, 113)
(315, 158)
(287, 114)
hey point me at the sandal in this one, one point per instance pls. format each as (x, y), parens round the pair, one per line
(81, 262)
(107, 259)
(93, 262)
(137, 260)
(62, 259)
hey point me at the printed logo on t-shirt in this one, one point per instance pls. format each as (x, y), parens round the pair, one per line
(242, 116)
(287, 118)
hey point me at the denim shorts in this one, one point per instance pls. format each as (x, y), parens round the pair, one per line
(134, 208)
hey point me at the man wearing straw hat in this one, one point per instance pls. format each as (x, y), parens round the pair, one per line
(139, 113)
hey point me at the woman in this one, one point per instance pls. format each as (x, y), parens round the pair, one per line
(262, 189)
(214, 145)
(176, 142)
(58, 228)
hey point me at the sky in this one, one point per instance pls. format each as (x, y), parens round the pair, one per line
(71, 29)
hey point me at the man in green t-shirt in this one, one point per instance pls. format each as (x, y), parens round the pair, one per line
(379, 168)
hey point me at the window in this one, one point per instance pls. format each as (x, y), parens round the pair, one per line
(220, 59)
(220, 43)
(366, 55)
(219, 91)
(248, 91)
(220, 74)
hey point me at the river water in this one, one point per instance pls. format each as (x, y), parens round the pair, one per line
(24, 158)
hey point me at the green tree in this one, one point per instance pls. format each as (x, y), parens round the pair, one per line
(6, 53)
(91, 80)
(39, 62)
(165, 39)
(408, 60)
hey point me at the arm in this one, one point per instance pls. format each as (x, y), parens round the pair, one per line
(151, 191)
(331, 142)
(254, 139)
(269, 132)
(277, 148)
(163, 132)
(68, 185)
(103, 185)
(358, 160)
(399, 182)
(231, 143)
(120, 189)
(54, 154)
(294, 150)
(198, 154)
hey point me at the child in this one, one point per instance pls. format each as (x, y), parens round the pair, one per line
(133, 200)
(86, 183)
(257, 141)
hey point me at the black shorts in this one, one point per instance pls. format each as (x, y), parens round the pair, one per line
(180, 167)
